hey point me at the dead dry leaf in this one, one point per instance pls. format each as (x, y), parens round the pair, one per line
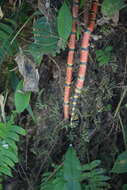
(28, 71)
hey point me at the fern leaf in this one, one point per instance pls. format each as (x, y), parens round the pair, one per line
(11, 22)
(104, 56)
(12, 144)
(45, 38)
(69, 176)
(110, 7)
(91, 165)
(18, 130)
(7, 29)
(7, 161)
(53, 183)
(9, 154)
(9, 134)
(95, 177)
(5, 170)
(12, 135)
(7, 33)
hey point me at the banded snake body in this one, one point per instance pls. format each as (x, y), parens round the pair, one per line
(83, 58)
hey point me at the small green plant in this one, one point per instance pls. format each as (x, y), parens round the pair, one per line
(110, 7)
(104, 56)
(72, 176)
(21, 98)
(9, 136)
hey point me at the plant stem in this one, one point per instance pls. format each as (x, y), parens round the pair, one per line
(120, 102)
(123, 132)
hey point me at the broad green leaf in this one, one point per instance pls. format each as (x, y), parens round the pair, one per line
(64, 21)
(72, 185)
(120, 165)
(60, 184)
(72, 167)
(22, 99)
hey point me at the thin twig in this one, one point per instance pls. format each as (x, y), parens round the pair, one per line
(120, 102)
(55, 171)
(27, 178)
(18, 32)
(123, 132)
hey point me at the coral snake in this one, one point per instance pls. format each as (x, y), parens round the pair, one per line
(83, 58)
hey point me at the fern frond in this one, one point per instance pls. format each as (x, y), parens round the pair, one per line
(7, 32)
(110, 7)
(45, 38)
(53, 182)
(94, 177)
(71, 174)
(104, 56)
(9, 135)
